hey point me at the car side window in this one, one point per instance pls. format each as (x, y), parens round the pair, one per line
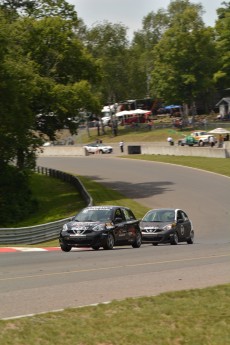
(119, 214)
(184, 215)
(179, 215)
(128, 214)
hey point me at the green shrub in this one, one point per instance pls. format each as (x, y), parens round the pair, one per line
(16, 199)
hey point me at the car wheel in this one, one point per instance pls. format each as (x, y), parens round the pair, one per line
(138, 240)
(96, 247)
(175, 239)
(190, 240)
(65, 247)
(201, 143)
(109, 242)
(155, 244)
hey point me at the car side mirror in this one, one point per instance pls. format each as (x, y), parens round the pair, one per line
(118, 220)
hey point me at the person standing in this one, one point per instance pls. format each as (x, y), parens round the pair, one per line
(170, 141)
(211, 141)
(121, 144)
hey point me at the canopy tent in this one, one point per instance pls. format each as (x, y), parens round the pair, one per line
(139, 111)
(219, 131)
(123, 113)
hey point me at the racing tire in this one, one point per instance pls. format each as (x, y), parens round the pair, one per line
(190, 240)
(155, 244)
(96, 247)
(65, 247)
(175, 239)
(201, 143)
(138, 240)
(108, 242)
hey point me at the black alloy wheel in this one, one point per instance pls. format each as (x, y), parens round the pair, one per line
(96, 247)
(190, 240)
(138, 240)
(65, 247)
(109, 242)
(175, 239)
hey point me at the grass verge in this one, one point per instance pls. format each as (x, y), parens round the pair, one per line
(216, 165)
(192, 317)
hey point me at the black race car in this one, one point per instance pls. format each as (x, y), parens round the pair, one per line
(101, 226)
(166, 225)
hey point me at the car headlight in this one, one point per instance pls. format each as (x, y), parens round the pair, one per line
(65, 227)
(99, 227)
(169, 226)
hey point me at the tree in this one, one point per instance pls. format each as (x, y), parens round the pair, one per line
(108, 44)
(46, 76)
(62, 62)
(222, 28)
(140, 53)
(58, 62)
(184, 58)
(39, 9)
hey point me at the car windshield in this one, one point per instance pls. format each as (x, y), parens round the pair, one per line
(94, 215)
(159, 216)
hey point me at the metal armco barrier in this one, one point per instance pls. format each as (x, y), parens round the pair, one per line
(44, 232)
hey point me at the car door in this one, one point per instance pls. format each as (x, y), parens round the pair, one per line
(180, 225)
(187, 224)
(132, 225)
(120, 226)
(183, 225)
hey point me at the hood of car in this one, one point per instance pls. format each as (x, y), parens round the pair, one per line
(82, 225)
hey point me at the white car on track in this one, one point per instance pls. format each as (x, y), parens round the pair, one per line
(98, 148)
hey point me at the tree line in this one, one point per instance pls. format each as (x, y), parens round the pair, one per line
(53, 69)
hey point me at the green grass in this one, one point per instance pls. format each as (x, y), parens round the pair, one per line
(192, 317)
(216, 165)
(132, 135)
(56, 200)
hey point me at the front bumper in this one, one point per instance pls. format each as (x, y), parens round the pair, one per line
(87, 240)
(159, 237)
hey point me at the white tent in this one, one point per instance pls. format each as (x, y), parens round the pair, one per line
(219, 131)
(123, 113)
(139, 111)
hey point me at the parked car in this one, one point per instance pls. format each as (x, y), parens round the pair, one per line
(200, 138)
(188, 140)
(101, 226)
(98, 148)
(166, 225)
(203, 137)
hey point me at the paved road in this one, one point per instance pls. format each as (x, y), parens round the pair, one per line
(37, 282)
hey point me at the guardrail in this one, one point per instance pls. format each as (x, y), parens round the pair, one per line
(44, 232)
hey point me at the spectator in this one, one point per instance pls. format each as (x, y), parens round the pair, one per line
(220, 141)
(121, 144)
(170, 141)
(211, 141)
